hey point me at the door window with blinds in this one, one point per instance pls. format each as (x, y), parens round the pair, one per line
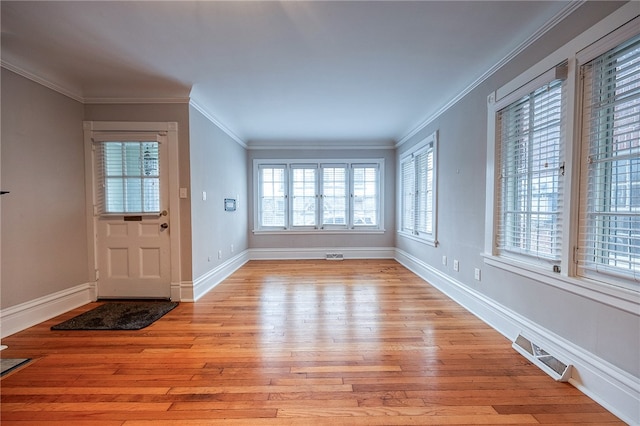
(318, 196)
(418, 189)
(128, 176)
(531, 171)
(609, 232)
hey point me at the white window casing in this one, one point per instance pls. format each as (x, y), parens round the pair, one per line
(609, 228)
(418, 189)
(530, 155)
(597, 257)
(318, 196)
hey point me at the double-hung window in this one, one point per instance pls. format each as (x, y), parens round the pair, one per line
(335, 200)
(530, 144)
(418, 189)
(305, 196)
(272, 194)
(609, 232)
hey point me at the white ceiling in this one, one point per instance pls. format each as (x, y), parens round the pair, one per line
(303, 71)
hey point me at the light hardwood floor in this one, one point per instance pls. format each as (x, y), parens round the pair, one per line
(291, 343)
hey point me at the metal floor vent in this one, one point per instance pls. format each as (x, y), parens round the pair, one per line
(547, 362)
(335, 256)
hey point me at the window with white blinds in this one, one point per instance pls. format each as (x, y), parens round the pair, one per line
(272, 196)
(334, 195)
(609, 231)
(365, 195)
(304, 195)
(530, 152)
(318, 196)
(128, 177)
(418, 191)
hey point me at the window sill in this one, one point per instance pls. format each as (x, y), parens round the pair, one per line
(316, 231)
(609, 294)
(432, 243)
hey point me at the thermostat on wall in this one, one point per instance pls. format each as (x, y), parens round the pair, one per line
(230, 204)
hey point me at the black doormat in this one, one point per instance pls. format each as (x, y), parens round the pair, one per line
(7, 365)
(132, 315)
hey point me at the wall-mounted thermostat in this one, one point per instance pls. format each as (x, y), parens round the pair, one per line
(230, 204)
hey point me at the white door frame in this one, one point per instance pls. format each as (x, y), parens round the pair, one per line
(171, 129)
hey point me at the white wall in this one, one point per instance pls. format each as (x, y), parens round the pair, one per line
(43, 218)
(281, 241)
(218, 168)
(607, 337)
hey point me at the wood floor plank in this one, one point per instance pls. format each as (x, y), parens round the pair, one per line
(357, 342)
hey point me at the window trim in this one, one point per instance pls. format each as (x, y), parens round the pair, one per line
(582, 268)
(318, 165)
(582, 48)
(556, 74)
(430, 142)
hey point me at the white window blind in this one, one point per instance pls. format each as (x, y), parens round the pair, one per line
(424, 192)
(530, 149)
(609, 232)
(128, 177)
(409, 195)
(304, 195)
(418, 192)
(365, 195)
(272, 196)
(334, 195)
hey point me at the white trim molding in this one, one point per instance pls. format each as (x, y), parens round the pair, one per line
(321, 253)
(171, 129)
(192, 291)
(22, 316)
(613, 388)
(203, 110)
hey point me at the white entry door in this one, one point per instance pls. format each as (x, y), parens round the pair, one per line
(131, 214)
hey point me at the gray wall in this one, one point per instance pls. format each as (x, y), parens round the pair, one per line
(159, 113)
(281, 241)
(218, 167)
(589, 324)
(44, 238)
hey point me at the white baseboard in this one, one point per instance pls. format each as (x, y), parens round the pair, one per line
(321, 253)
(613, 388)
(191, 292)
(25, 315)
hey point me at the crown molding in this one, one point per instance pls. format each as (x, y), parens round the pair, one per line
(321, 145)
(78, 97)
(172, 100)
(200, 108)
(42, 81)
(555, 20)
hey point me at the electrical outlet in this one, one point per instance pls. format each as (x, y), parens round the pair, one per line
(231, 248)
(476, 274)
(456, 265)
(444, 260)
(204, 195)
(219, 254)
